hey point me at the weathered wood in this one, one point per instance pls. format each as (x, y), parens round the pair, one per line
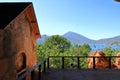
(93, 62)
(47, 59)
(62, 62)
(32, 75)
(48, 63)
(109, 62)
(78, 62)
(44, 68)
(31, 71)
(39, 73)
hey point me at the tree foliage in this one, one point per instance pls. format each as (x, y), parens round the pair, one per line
(111, 52)
(59, 46)
(57, 42)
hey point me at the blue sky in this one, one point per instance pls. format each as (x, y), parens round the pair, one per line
(94, 19)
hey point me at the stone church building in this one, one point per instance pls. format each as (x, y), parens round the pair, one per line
(18, 33)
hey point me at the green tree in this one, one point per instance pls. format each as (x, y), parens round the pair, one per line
(40, 52)
(57, 44)
(85, 49)
(53, 46)
(109, 51)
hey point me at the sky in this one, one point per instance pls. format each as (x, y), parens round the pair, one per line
(95, 19)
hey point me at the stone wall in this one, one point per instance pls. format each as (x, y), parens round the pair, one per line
(18, 47)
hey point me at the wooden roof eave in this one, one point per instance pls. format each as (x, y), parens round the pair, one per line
(32, 20)
(29, 11)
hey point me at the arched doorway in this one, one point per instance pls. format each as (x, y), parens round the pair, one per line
(21, 64)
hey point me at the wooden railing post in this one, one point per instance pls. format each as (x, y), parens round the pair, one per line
(44, 70)
(93, 62)
(32, 75)
(39, 73)
(48, 65)
(62, 62)
(109, 62)
(78, 63)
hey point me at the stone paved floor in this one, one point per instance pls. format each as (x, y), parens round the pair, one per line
(81, 74)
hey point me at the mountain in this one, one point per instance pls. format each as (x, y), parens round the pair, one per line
(113, 40)
(76, 38)
(42, 39)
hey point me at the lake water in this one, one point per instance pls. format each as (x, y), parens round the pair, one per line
(102, 46)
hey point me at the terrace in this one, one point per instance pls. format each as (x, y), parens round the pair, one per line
(45, 71)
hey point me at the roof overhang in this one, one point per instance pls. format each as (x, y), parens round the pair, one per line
(117, 0)
(30, 13)
(9, 11)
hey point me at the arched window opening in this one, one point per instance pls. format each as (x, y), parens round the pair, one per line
(21, 62)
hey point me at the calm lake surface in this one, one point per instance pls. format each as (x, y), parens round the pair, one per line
(102, 46)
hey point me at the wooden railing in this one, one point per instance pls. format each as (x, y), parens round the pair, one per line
(32, 70)
(79, 62)
(46, 64)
